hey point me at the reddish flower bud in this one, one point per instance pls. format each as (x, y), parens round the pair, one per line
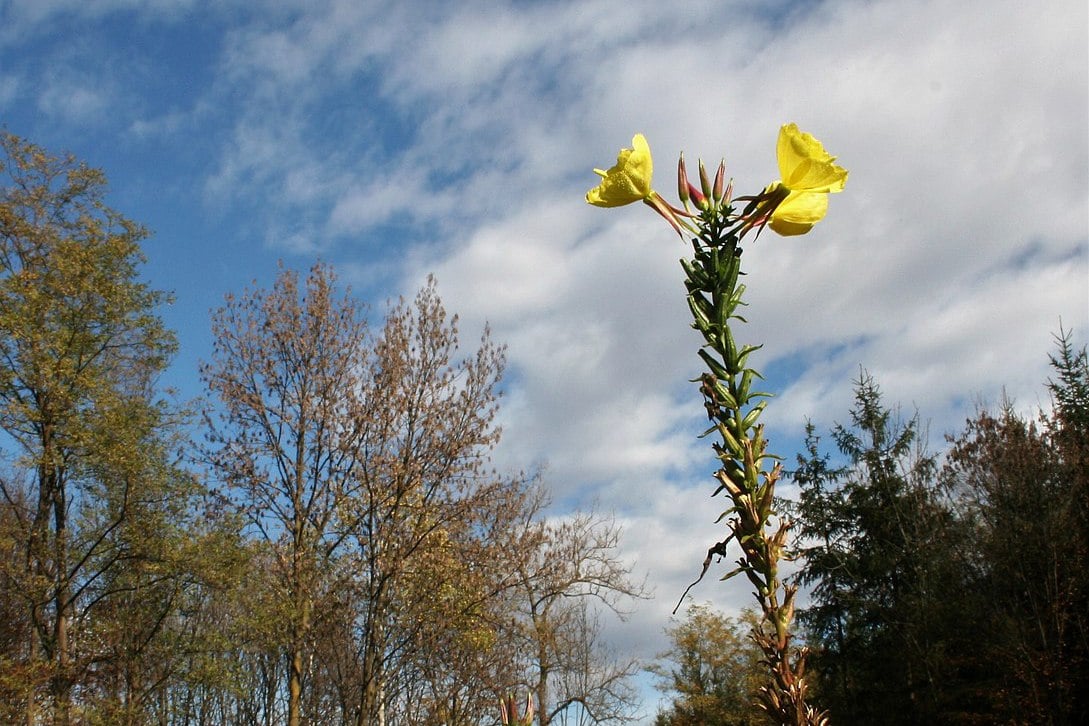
(720, 178)
(697, 197)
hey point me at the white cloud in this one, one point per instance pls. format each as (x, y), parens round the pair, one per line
(75, 98)
(28, 18)
(9, 86)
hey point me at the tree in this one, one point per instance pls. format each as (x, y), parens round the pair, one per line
(881, 557)
(713, 669)
(18, 675)
(1069, 429)
(1023, 493)
(80, 351)
(360, 462)
(430, 523)
(570, 569)
(285, 371)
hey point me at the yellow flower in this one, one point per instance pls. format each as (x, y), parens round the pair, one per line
(628, 181)
(808, 175)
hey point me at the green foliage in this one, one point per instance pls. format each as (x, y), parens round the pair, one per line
(748, 472)
(713, 670)
(93, 508)
(1071, 391)
(951, 595)
(880, 554)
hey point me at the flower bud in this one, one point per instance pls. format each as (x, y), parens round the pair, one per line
(697, 197)
(705, 182)
(682, 182)
(720, 178)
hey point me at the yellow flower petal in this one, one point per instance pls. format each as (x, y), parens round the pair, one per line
(798, 213)
(804, 165)
(628, 181)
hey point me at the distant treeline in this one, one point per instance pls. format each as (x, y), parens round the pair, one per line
(948, 589)
(332, 546)
(954, 589)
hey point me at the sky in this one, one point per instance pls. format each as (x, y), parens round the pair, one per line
(397, 140)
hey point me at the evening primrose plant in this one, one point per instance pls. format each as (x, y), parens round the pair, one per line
(716, 223)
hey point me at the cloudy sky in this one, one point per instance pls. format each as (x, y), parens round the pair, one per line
(401, 139)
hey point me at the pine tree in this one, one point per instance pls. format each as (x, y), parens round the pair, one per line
(878, 555)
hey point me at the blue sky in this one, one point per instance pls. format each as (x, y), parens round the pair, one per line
(458, 139)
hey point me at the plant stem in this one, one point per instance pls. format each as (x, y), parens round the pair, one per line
(714, 297)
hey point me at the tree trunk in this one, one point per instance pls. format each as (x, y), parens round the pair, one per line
(295, 677)
(372, 699)
(299, 572)
(32, 690)
(544, 715)
(301, 628)
(62, 677)
(294, 687)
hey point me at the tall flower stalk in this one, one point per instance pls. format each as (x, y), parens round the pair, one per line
(716, 224)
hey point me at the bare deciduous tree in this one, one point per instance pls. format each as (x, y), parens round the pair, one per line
(286, 372)
(571, 571)
(428, 513)
(363, 462)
